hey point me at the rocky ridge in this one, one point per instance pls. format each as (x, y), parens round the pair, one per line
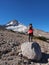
(10, 43)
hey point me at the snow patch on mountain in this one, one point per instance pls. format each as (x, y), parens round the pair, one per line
(19, 28)
(10, 23)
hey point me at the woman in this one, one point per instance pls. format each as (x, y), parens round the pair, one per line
(30, 32)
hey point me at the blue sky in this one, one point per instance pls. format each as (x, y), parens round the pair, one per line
(26, 11)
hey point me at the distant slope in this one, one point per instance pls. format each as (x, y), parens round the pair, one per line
(41, 33)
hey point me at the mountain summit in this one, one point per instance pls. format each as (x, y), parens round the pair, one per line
(12, 23)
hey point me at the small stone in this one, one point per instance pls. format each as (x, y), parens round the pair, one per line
(10, 58)
(25, 61)
(48, 60)
(32, 63)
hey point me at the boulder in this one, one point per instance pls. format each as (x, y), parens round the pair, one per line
(31, 50)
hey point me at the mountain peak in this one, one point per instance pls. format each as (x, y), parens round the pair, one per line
(12, 22)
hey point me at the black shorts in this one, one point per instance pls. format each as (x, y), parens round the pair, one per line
(30, 37)
(31, 34)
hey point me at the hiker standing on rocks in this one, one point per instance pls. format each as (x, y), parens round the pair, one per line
(30, 32)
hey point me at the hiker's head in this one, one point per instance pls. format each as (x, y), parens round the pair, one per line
(30, 25)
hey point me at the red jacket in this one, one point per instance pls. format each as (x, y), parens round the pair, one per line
(30, 31)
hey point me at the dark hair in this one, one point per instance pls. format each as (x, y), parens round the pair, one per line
(31, 26)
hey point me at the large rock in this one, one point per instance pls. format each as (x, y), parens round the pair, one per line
(31, 50)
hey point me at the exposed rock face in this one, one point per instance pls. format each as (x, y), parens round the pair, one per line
(31, 50)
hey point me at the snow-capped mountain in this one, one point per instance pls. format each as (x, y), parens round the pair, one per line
(16, 26)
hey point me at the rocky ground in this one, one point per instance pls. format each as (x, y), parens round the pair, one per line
(10, 43)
